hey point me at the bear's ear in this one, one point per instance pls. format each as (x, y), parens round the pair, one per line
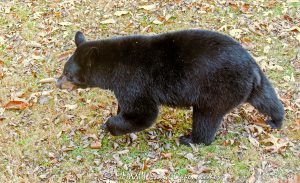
(79, 38)
(93, 54)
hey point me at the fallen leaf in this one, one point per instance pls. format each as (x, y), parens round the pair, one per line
(233, 5)
(229, 142)
(148, 7)
(64, 55)
(297, 121)
(258, 121)
(199, 168)
(253, 141)
(96, 145)
(1, 74)
(108, 21)
(286, 17)
(166, 155)
(34, 44)
(37, 57)
(71, 107)
(168, 16)
(43, 176)
(16, 105)
(65, 23)
(189, 156)
(160, 171)
(252, 178)
(298, 37)
(48, 80)
(123, 152)
(93, 136)
(120, 13)
(293, 29)
(145, 165)
(245, 8)
(276, 145)
(133, 136)
(204, 169)
(157, 22)
(255, 130)
(2, 110)
(294, 179)
(236, 33)
(267, 49)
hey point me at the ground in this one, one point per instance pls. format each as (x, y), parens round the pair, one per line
(51, 135)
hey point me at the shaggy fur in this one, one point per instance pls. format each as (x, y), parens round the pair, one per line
(206, 70)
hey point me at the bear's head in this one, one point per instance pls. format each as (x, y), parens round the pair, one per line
(77, 68)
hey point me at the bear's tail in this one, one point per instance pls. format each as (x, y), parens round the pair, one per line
(265, 100)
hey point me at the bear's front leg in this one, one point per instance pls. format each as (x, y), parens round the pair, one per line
(132, 119)
(117, 125)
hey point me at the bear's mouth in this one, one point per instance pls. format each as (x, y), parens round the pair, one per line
(63, 83)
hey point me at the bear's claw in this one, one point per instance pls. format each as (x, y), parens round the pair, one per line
(185, 140)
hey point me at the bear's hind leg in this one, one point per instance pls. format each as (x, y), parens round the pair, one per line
(204, 128)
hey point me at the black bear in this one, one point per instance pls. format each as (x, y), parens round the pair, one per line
(207, 70)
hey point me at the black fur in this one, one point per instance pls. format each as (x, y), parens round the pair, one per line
(204, 69)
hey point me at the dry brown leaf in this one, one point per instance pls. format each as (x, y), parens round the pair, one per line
(64, 55)
(288, 18)
(234, 6)
(96, 145)
(294, 179)
(252, 178)
(255, 130)
(70, 177)
(166, 155)
(298, 121)
(16, 105)
(271, 3)
(229, 142)
(259, 121)
(1, 74)
(276, 145)
(245, 8)
(199, 168)
(293, 29)
(145, 165)
(205, 169)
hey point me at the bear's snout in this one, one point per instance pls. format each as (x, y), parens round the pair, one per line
(63, 83)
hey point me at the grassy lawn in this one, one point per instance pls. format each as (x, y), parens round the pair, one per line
(49, 139)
